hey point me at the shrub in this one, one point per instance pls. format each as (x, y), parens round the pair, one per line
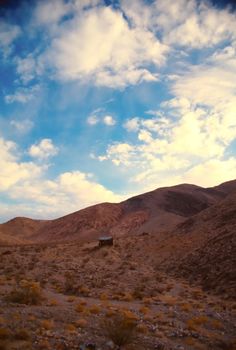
(70, 328)
(70, 286)
(81, 323)
(103, 296)
(94, 309)
(142, 328)
(84, 290)
(127, 297)
(26, 292)
(47, 324)
(144, 310)
(193, 323)
(80, 308)
(22, 334)
(119, 329)
(4, 333)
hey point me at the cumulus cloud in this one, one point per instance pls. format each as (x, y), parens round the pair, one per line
(109, 120)
(94, 119)
(132, 124)
(26, 183)
(191, 132)
(186, 23)
(50, 12)
(43, 149)
(12, 170)
(99, 45)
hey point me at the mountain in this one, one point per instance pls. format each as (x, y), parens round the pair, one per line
(208, 247)
(156, 211)
(18, 230)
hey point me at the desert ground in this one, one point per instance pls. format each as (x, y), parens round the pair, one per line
(69, 295)
(168, 281)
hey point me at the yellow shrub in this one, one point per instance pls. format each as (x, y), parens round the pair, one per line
(142, 328)
(81, 323)
(193, 323)
(27, 292)
(186, 307)
(110, 313)
(53, 302)
(119, 329)
(94, 309)
(70, 328)
(216, 324)
(47, 324)
(129, 315)
(84, 290)
(80, 308)
(147, 301)
(71, 298)
(103, 296)
(127, 297)
(144, 310)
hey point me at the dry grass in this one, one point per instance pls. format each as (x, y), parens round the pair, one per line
(119, 329)
(26, 292)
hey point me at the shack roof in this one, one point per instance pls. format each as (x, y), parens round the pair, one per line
(105, 238)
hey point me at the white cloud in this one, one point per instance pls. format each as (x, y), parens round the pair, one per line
(98, 44)
(190, 133)
(43, 150)
(22, 94)
(132, 124)
(188, 23)
(92, 120)
(26, 68)
(109, 120)
(33, 195)
(22, 126)
(8, 33)
(49, 12)
(214, 171)
(12, 171)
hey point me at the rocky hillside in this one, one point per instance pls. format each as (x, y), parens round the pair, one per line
(154, 212)
(206, 246)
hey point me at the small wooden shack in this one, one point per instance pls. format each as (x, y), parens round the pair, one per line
(105, 240)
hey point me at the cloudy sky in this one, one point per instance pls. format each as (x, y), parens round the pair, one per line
(101, 100)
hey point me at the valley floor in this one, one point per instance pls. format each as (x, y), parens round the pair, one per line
(62, 296)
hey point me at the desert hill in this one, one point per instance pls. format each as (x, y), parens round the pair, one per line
(211, 237)
(155, 211)
(19, 229)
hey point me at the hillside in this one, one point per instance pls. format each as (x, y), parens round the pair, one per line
(156, 211)
(211, 240)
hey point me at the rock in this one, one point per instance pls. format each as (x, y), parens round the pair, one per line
(110, 345)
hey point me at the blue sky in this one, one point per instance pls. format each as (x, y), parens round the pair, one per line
(102, 100)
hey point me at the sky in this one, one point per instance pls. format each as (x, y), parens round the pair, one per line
(103, 100)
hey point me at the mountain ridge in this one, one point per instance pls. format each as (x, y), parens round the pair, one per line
(154, 211)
